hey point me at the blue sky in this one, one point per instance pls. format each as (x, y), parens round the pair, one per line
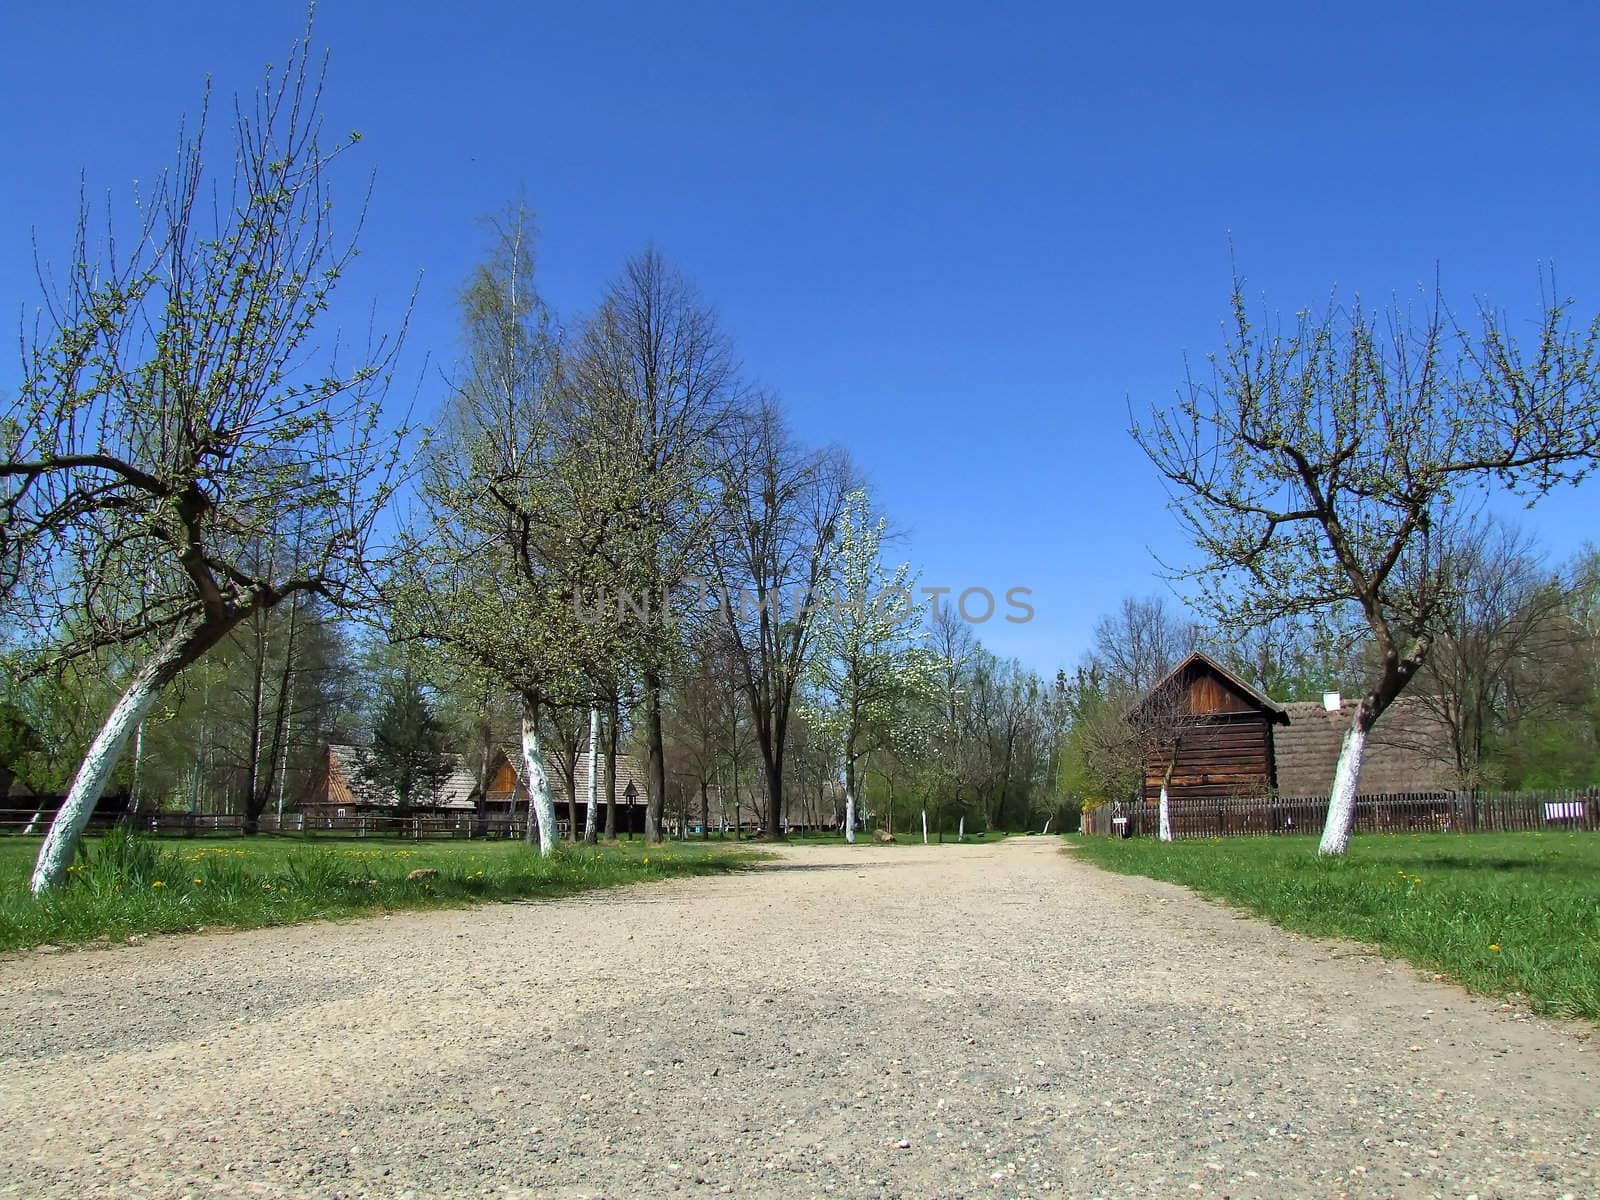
(959, 240)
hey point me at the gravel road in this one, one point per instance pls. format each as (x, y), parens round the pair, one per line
(870, 1022)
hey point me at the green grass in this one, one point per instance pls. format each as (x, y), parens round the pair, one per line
(130, 885)
(1500, 913)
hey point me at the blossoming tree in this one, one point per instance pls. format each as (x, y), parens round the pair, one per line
(870, 674)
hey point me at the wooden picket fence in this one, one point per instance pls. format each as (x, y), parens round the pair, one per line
(1402, 812)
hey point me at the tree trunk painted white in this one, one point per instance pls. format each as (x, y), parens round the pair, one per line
(98, 763)
(1342, 800)
(138, 761)
(924, 827)
(849, 815)
(594, 775)
(540, 804)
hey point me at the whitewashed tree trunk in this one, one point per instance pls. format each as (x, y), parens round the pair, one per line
(849, 815)
(1342, 799)
(539, 801)
(99, 762)
(594, 775)
(924, 827)
(1165, 832)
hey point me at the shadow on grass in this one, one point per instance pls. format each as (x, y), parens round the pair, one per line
(1541, 866)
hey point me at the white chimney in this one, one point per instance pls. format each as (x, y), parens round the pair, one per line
(1331, 701)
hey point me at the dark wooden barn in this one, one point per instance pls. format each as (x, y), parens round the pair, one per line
(1211, 728)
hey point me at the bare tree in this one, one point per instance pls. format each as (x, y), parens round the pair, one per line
(1321, 470)
(1142, 641)
(656, 377)
(568, 725)
(781, 503)
(1503, 642)
(1156, 728)
(701, 688)
(170, 422)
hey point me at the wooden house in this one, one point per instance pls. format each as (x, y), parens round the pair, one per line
(1225, 739)
(506, 796)
(1211, 729)
(341, 795)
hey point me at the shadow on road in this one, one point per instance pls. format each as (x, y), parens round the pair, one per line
(779, 864)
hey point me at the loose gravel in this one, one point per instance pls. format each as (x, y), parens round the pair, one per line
(890, 1021)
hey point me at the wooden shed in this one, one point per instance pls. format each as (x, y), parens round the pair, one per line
(1212, 727)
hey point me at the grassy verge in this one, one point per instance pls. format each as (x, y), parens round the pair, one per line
(128, 885)
(1501, 913)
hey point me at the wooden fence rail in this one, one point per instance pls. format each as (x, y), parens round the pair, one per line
(1402, 812)
(418, 825)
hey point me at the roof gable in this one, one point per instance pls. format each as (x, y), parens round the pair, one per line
(1203, 701)
(629, 770)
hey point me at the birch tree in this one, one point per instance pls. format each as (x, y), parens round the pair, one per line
(519, 515)
(1325, 469)
(173, 412)
(869, 672)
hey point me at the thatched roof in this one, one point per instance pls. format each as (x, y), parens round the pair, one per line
(1407, 751)
(348, 783)
(629, 770)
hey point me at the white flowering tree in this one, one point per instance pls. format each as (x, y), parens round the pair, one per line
(870, 675)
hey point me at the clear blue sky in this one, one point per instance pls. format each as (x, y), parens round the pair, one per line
(958, 239)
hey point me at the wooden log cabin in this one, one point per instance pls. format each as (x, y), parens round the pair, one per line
(1211, 728)
(1225, 740)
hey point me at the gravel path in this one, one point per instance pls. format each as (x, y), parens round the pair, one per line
(883, 1021)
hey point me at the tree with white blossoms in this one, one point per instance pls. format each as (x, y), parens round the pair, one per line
(869, 672)
(1325, 471)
